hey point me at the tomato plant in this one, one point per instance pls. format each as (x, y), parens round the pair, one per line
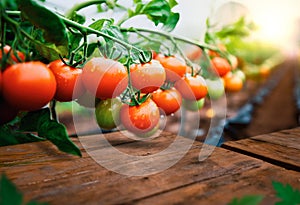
(193, 105)
(147, 77)
(140, 119)
(107, 113)
(168, 100)
(175, 68)
(220, 65)
(104, 62)
(68, 79)
(28, 86)
(11, 55)
(105, 78)
(192, 87)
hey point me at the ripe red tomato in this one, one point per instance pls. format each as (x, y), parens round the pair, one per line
(147, 77)
(68, 79)
(28, 86)
(7, 112)
(13, 57)
(220, 65)
(168, 100)
(192, 87)
(141, 118)
(175, 69)
(105, 78)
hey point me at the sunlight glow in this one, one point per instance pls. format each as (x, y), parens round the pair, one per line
(276, 22)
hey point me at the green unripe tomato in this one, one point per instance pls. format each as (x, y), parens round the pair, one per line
(193, 105)
(107, 113)
(215, 88)
(241, 75)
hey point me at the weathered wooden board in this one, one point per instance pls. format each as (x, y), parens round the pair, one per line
(281, 148)
(42, 173)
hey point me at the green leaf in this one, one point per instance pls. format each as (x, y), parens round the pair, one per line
(172, 3)
(39, 121)
(139, 8)
(78, 18)
(8, 136)
(57, 134)
(111, 4)
(171, 22)
(41, 17)
(50, 51)
(130, 13)
(114, 31)
(32, 120)
(287, 194)
(9, 194)
(9, 4)
(157, 11)
(99, 24)
(137, 1)
(247, 200)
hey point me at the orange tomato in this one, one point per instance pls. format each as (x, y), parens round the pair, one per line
(192, 87)
(220, 65)
(175, 69)
(147, 77)
(233, 83)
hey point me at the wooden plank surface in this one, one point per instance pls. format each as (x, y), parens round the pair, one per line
(42, 173)
(281, 148)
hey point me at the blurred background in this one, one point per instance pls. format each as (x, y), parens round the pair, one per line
(278, 21)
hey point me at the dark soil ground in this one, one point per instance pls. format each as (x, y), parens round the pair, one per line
(278, 109)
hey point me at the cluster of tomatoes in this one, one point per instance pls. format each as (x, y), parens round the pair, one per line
(160, 86)
(108, 80)
(29, 86)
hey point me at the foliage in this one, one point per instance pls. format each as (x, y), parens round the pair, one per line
(238, 41)
(286, 194)
(10, 195)
(50, 36)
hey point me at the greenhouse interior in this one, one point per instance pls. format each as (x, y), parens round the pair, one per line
(149, 102)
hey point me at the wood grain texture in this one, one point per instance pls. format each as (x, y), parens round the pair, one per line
(45, 174)
(281, 148)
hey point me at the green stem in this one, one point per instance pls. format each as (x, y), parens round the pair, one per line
(16, 24)
(152, 40)
(83, 29)
(130, 87)
(88, 30)
(82, 5)
(123, 19)
(53, 111)
(176, 37)
(187, 61)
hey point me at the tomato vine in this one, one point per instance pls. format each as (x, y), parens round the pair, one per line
(28, 27)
